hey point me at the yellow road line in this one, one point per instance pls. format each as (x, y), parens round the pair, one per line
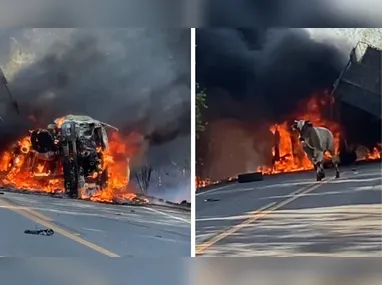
(257, 214)
(45, 221)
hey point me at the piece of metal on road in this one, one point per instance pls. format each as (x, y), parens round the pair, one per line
(46, 222)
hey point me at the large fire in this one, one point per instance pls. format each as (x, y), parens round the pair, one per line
(291, 157)
(116, 159)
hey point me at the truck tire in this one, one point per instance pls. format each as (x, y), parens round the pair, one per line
(249, 177)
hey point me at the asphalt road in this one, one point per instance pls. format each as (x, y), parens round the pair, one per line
(293, 215)
(87, 229)
(201, 271)
(98, 271)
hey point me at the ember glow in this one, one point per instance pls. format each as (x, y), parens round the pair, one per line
(292, 158)
(116, 160)
(200, 183)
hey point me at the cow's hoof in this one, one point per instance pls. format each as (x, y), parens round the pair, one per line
(320, 176)
(337, 175)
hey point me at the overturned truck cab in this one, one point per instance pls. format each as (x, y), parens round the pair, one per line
(73, 147)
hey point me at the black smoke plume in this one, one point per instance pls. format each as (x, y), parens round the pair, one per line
(130, 78)
(263, 72)
(292, 13)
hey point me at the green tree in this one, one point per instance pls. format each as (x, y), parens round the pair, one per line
(200, 104)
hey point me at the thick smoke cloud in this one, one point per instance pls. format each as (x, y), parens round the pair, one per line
(264, 70)
(128, 78)
(293, 13)
(254, 76)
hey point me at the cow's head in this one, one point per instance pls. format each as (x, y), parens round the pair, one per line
(300, 125)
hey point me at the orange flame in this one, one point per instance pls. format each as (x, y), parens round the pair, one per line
(292, 158)
(60, 121)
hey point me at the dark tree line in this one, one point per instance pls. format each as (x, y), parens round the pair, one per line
(200, 104)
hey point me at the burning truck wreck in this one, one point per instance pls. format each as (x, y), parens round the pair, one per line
(71, 156)
(72, 148)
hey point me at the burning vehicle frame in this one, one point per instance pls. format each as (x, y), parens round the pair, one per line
(73, 148)
(76, 157)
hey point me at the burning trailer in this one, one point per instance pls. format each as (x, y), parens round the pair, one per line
(357, 96)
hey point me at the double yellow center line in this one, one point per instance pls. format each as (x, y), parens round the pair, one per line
(258, 214)
(48, 223)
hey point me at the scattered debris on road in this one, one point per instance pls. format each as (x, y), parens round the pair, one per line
(138, 200)
(211, 200)
(45, 232)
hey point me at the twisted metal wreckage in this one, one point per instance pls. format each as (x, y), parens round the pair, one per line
(71, 147)
(77, 144)
(74, 148)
